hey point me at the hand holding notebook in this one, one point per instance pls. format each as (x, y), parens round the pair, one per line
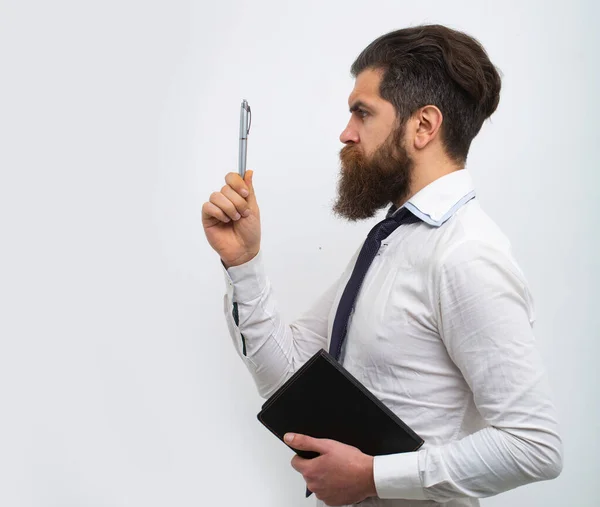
(323, 400)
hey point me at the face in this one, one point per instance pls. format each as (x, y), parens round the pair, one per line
(375, 166)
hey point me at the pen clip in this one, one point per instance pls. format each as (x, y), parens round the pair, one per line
(249, 119)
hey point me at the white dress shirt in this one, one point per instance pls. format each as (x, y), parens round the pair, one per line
(441, 333)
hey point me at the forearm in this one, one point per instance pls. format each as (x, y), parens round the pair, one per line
(483, 464)
(271, 349)
(491, 461)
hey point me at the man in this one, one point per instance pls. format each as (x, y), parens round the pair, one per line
(441, 328)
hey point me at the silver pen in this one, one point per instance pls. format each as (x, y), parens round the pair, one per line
(245, 121)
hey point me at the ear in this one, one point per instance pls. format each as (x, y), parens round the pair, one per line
(428, 121)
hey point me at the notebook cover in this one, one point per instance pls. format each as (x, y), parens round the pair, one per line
(323, 400)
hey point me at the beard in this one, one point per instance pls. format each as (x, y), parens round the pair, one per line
(366, 185)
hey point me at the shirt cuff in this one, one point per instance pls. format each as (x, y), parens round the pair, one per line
(246, 281)
(397, 476)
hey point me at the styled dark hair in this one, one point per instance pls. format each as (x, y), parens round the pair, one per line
(436, 65)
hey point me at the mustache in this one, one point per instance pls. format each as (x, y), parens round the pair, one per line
(352, 155)
(350, 149)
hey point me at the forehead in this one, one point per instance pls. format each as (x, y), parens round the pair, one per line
(366, 86)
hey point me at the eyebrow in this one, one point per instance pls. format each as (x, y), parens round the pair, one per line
(358, 105)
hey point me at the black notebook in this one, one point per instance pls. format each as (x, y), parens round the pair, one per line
(323, 400)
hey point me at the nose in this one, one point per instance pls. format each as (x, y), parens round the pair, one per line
(349, 135)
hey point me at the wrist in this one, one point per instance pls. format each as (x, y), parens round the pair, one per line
(243, 259)
(369, 477)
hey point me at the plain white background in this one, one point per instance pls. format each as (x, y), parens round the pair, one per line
(119, 384)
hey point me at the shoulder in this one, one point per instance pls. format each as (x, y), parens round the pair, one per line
(475, 258)
(471, 234)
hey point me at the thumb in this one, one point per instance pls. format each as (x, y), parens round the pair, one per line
(306, 443)
(248, 180)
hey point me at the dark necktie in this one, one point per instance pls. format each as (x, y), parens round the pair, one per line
(368, 252)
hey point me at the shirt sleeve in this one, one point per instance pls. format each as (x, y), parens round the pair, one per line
(271, 350)
(485, 316)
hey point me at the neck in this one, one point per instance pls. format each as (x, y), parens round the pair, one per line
(424, 174)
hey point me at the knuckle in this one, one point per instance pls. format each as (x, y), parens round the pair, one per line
(231, 193)
(231, 177)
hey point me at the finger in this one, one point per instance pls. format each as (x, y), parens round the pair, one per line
(219, 200)
(306, 443)
(238, 201)
(235, 181)
(298, 463)
(210, 210)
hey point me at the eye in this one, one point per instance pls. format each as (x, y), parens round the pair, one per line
(362, 113)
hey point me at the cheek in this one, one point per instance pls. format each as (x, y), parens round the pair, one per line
(369, 142)
(376, 136)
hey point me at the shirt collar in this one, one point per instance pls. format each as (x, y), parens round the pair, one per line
(439, 200)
